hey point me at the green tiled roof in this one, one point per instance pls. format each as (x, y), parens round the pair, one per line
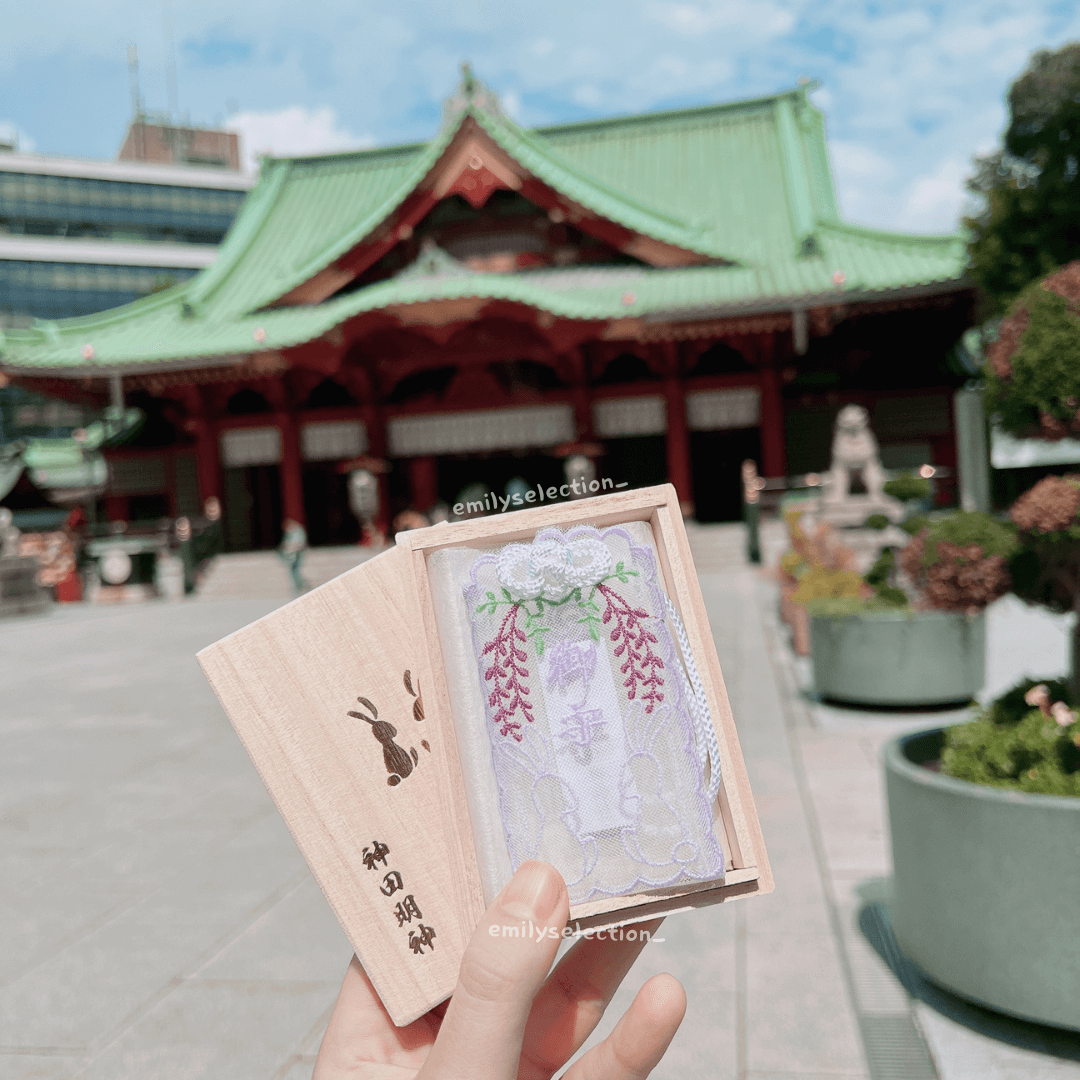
(747, 184)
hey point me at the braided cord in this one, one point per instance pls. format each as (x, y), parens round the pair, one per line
(704, 732)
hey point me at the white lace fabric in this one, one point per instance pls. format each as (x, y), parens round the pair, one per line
(602, 751)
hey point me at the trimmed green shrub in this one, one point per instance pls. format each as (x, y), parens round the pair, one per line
(854, 605)
(915, 525)
(967, 527)
(881, 572)
(1013, 745)
(1036, 754)
(889, 596)
(907, 487)
(1011, 707)
(876, 521)
(960, 562)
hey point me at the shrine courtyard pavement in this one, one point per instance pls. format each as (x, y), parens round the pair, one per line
(157, 922)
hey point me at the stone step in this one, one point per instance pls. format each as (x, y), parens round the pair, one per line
(260, 575)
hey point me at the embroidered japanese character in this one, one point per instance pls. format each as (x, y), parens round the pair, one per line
(570, 660)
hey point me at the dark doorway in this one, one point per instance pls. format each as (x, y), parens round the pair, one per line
(495, 472)
(252, 508)
(148, 507)
(637, 460)
(717, 458)
(326, 504)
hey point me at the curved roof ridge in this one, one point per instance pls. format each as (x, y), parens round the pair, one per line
(242, 233)
(359, 152)
(55, 329)
(662, 115)
(591, 193)
(529, 150)
(868, 232)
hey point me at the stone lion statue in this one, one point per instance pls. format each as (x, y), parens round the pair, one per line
(854, 453)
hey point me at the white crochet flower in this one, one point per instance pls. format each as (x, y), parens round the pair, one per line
(553, 567)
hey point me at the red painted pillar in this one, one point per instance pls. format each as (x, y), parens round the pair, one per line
(423, 483)
(116, 507)
(678, 443)
(208, 455)
(292, 477)
(375, 422)
(773, 443)
(581, 395)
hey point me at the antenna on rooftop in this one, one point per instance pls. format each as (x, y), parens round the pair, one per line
(133, 81)
(170, 63)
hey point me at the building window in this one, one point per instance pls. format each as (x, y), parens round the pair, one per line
(47, 290)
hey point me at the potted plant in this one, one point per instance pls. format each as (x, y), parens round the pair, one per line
(881, 650)
(1033, 389)
(984, 819)
(816, 566)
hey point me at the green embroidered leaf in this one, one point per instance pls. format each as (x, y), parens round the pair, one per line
(589, 617)
(537, 638)
(507, 596)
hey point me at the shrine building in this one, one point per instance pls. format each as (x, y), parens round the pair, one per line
(665, 294)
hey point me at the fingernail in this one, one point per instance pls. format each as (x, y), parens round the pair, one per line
(533, 892)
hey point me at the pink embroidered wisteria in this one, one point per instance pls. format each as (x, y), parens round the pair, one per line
(642, 666)
(507, 669)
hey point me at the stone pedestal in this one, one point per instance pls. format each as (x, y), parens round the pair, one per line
(20, 594)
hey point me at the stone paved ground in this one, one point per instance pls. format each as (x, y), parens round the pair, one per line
(157, 922)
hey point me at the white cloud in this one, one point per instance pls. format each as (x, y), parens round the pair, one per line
(11, 132)
(587, 94)
(760, 20)
(932, 203)
(863, 176)
(294, 130)
(511, 103)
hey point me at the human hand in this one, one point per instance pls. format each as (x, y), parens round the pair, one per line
(508, 1019)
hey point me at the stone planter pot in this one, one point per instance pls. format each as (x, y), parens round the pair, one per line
(986, 886)
(899, 658)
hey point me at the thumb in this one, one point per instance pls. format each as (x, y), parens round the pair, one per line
(503, 968)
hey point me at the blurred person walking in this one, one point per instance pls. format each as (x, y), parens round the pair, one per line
(291, 552)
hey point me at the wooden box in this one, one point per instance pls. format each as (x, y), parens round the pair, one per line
(301, 684)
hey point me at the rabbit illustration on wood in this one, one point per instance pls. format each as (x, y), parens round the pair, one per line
(399, 762)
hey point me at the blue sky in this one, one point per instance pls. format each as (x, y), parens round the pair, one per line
(911, 90)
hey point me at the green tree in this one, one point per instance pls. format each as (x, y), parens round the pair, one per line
(1031, 220)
